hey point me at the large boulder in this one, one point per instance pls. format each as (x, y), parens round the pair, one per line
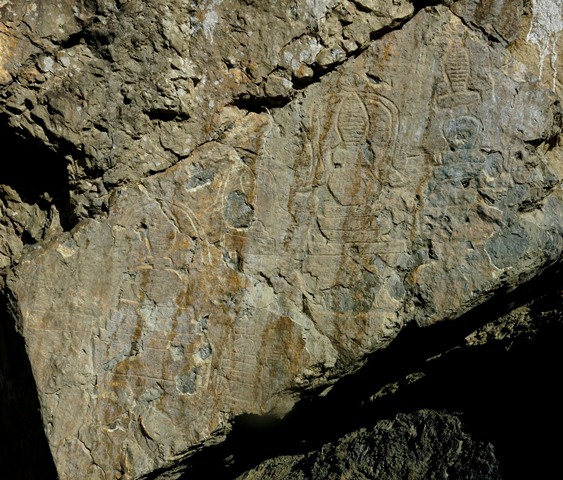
(244, 200)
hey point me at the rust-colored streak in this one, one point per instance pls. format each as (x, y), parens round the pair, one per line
(8, 45)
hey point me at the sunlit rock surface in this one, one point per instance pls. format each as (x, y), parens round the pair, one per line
(240, 201)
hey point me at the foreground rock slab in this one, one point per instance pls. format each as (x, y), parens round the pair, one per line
(423, 444)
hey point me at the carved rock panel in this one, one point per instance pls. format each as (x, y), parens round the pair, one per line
(403, 186)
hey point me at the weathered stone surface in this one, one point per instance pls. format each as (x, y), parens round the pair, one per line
(257, 197)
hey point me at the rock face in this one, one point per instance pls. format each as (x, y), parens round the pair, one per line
(238, 202)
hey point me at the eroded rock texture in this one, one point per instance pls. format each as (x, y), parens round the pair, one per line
(210, 208)
(423, 444)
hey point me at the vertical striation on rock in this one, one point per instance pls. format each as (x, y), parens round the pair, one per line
(241, 201)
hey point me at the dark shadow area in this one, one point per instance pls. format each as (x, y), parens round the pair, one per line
(508, 394)
(511, 398)
(38, 174)
(260, 104)
(24, 452)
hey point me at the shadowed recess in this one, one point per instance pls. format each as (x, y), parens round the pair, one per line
(36, 173)
(24, 451)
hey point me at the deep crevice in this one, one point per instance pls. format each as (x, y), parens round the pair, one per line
(319, 72)
(166, 115)
(72, 40)
(550, 142)
(260, 104)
